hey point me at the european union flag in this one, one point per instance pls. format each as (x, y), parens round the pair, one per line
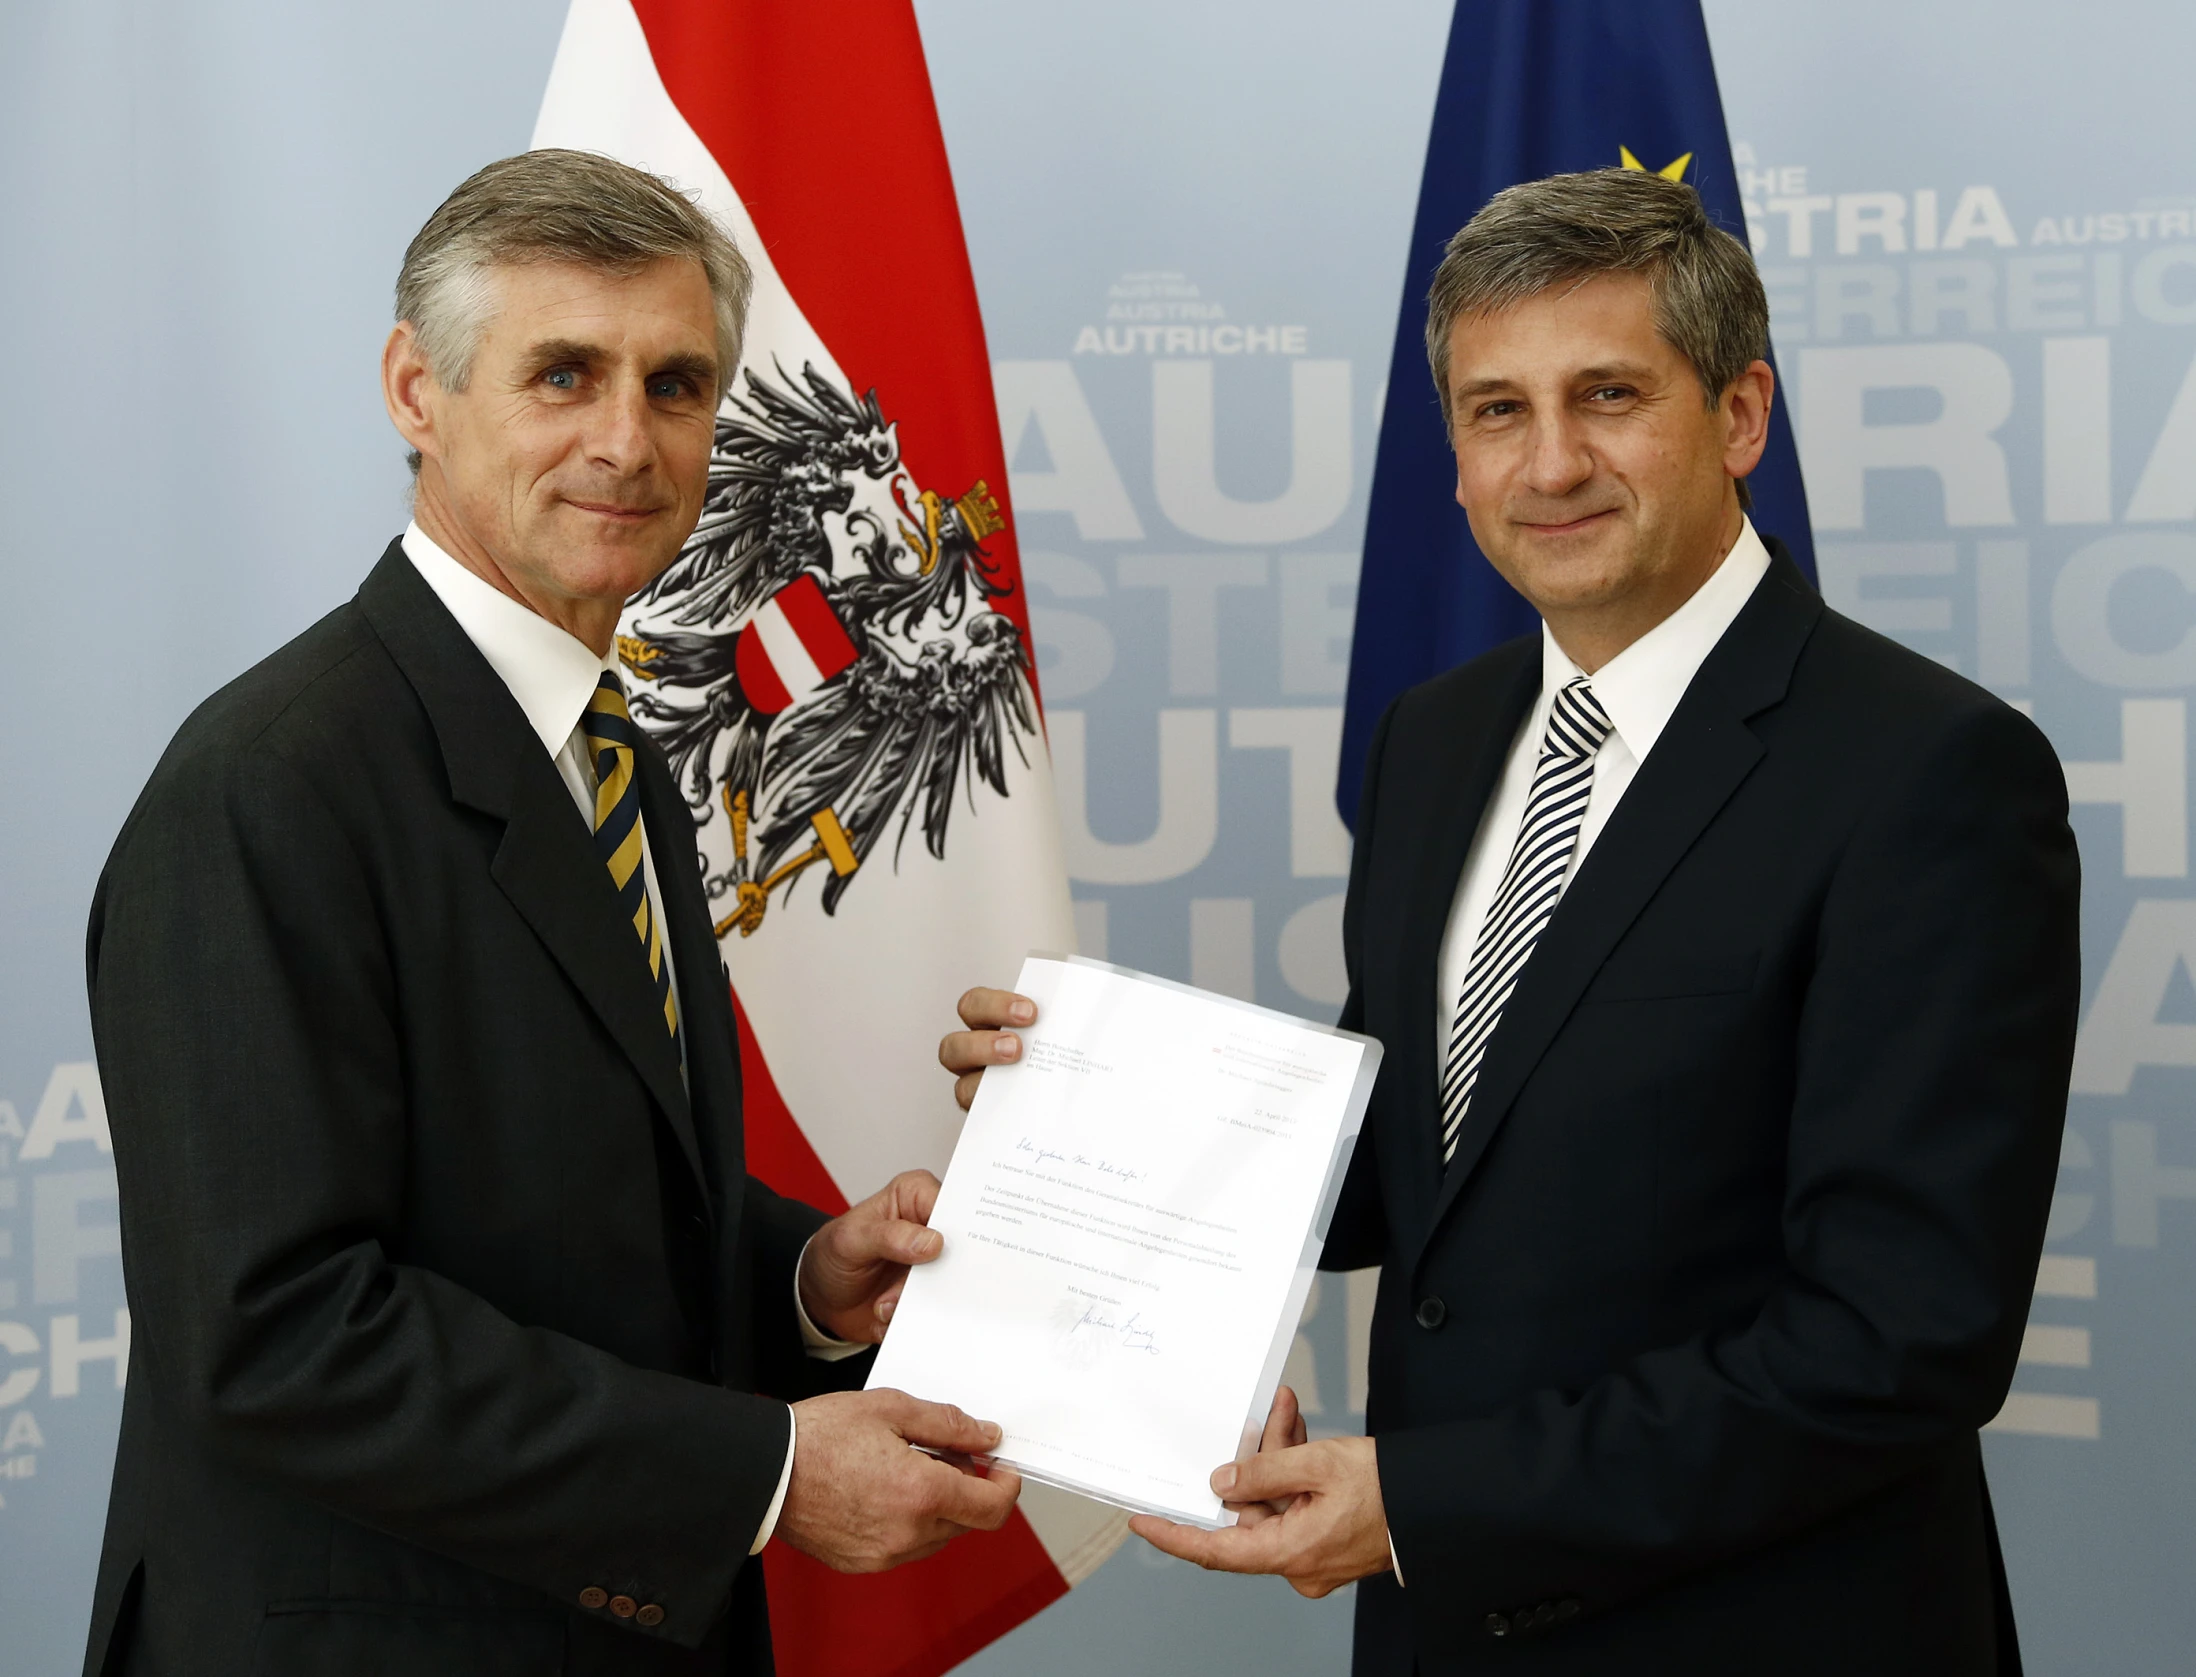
(1529, 88)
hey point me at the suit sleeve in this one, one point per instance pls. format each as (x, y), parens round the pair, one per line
(1358, 1235)
(781, 1230)
(245, 1018)
(1933, 1052)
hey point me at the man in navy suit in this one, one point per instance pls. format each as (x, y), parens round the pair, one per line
(1725, 954)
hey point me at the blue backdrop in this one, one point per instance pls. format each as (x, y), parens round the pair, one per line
(1978, 226)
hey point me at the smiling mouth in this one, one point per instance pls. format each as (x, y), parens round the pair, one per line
(611, 510)
(1567, 526)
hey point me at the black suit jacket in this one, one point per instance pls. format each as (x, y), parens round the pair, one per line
(449, 1298)
(1679, 1366)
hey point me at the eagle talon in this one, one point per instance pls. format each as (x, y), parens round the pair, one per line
(752, 902)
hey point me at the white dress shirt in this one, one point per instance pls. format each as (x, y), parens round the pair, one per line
(1639, 688)
(552, 676)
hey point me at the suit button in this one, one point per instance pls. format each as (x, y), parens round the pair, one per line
(594, 1596)
(623, 1606)
(1431, 1314)
(1497, 1625)
(650, 1615)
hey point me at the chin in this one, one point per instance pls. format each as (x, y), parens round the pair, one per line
(611, 550)
(1575, 592)
(595, 571)
(1571, 571)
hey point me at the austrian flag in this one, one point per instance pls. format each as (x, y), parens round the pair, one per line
(838, 667)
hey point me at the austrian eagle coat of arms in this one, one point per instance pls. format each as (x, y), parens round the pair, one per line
(823, 659)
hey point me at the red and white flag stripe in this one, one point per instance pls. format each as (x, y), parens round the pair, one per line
(810, 131)
(791, 646)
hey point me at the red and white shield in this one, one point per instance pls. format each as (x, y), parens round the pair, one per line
(791, 646)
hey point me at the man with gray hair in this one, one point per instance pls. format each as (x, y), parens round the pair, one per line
(452, 1298)
(1726, 958)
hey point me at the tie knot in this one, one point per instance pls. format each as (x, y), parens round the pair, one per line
(1577, 724)
(609, 696)
(608, 725)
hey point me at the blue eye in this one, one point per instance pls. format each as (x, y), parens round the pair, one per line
(669, 389)
(563, 378)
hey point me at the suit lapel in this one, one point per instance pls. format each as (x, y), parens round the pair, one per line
(1459, 787)
(546, 864)
(1703, 756)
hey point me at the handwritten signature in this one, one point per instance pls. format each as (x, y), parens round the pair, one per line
(1079, 1161)
(1134, 1336)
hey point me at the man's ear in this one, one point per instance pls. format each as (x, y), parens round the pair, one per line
(408, 388)
(1746, 418)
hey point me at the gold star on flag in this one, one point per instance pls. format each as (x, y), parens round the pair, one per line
(1669, 171)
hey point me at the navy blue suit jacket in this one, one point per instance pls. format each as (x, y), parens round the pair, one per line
(1679, 1366)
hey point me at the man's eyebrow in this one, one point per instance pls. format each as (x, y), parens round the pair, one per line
(1615, 372)
(1480, 387)
(551, 351)
(702, 369)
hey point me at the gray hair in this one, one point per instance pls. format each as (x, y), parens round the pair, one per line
(1708, 300)
(557, 206)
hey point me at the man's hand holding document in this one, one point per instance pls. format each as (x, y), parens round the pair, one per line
(1132, 1218)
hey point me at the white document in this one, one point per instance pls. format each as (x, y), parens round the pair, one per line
(1132, 1218)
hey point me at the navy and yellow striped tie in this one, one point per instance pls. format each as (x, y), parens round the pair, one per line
(610, 734)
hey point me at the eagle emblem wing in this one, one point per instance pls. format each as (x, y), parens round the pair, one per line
(899, 740)
(786, 458)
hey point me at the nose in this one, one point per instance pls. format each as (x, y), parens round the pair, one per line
(1557, 460)
(621, 436)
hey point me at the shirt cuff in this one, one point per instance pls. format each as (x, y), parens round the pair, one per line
(819, 1345)
(1394, 1565)
(785, 1478)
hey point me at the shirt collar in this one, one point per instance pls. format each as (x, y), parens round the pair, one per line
(1641, 686)
(549, 673)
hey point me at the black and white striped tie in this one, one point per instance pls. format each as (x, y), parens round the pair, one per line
(1531, 886)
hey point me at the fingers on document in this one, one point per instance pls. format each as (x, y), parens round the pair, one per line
(1256, 1513)
(908, 1242)
(912, 1193)
(967, 1053)
(1284, 1423)
(971, 1051)
(984, 1009)
(1273, 1476)
(981, 1502)
(1284, 1431)
(942, 1426)
(1230, 1549)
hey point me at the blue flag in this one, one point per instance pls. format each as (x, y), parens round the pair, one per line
(1529, 88)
